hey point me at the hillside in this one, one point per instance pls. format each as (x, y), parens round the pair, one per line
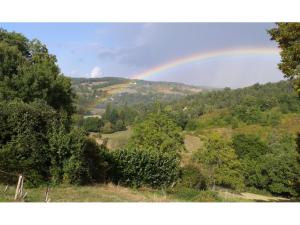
(257, 124)
(93, 94)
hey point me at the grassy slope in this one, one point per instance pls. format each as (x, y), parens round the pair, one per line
(114, 193)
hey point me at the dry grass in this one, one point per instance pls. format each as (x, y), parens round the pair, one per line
(96, 193)
(118, 139)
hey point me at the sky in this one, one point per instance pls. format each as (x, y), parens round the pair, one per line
(126, 49)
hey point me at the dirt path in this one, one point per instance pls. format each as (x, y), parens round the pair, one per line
(252, 197)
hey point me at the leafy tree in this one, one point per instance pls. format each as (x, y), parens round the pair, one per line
(23, 129)
(271, 167)
(92, 124)
(249, 146)
(221, 163)
(157, 132)
(287, 36)
(29, 72)
(36, 103)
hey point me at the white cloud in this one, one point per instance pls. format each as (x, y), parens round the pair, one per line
(96, 72)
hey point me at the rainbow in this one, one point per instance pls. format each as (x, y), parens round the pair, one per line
(254, 51)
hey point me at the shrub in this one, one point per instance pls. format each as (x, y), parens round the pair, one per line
(144, 167)
(249, 146)
(157, 132)
(92, 124)
(221, 163)
(276, 169)
(193, 177)
(75, 158)
(190, 194)
(23, 141)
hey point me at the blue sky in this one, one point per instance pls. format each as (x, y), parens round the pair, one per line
(123, 49)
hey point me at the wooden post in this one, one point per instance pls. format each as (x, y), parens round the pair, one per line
(21, 187)
(18, 186)
(47, 199)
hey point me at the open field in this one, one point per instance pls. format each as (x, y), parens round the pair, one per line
(118, 139)
(115, 193)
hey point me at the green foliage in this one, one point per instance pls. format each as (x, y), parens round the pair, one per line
(287, 36)
(257, 104)
(271, 167)
(114, 119)
(220, 161)
(193, 195)
(75, 158)
(92, 124)
(29, 72)
(157, 132)
(144, 167)
(249, 146)
(36, 103)
(192, 177)
(23, 146)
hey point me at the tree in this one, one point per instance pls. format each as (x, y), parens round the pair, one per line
(157, 132)
(221, 163)
(24, 145)
(287, 36)
(36, 104)
(249, 146)
(29, 72)
(92, 124)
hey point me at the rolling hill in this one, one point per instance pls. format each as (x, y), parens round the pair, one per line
(93, 94)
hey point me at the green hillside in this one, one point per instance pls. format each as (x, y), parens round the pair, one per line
(93, 94)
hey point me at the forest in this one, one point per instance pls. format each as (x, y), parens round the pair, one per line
(249, 138)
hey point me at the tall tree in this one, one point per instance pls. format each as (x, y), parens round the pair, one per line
(287, 35)
(219, 159)
(157, 132)
(29, 72)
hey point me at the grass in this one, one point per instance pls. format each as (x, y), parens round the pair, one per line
(96, 193)
(115, 193)
(111, 193)
(118, 139)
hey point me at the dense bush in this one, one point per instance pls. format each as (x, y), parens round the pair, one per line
(221, 163)
(193, 177)
(36, 104)
(249, 146)
(29, 72)
(92, 124)
(75, 158)
(144, 167)
(35, 142)
(157, 132)
(272, 167)
(23, 141)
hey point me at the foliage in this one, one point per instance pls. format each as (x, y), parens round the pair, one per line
(36, 104)
(287, 36)
(23, 146)
(157, 132)
(114, 119)
(272, 167)
(249, 146)
(92, 124)
(144, 167)
(221, 163)
(193, 195)
(192, 177)
(75, 158)
(257, 104)
(29, 72)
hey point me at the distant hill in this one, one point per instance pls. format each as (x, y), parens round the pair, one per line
(93, 94)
